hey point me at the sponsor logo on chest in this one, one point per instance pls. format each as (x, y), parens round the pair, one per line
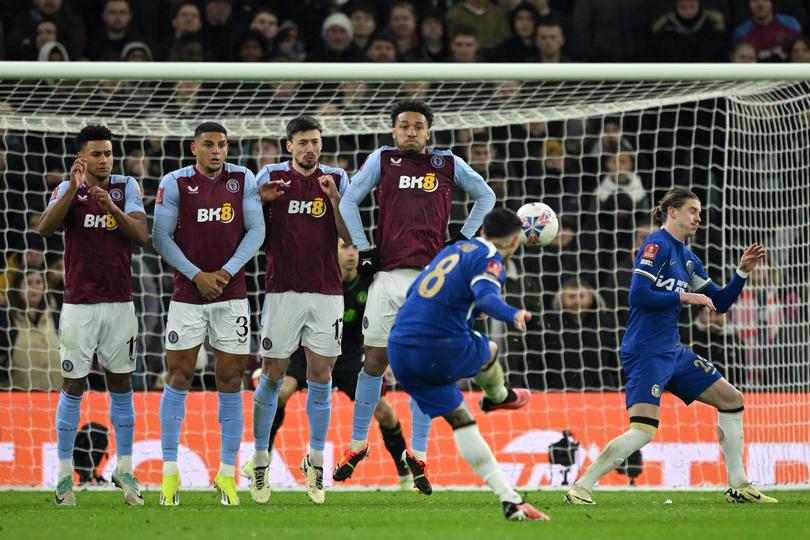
(100, 221)
(315, 208)
(428, 183)
(223, 214)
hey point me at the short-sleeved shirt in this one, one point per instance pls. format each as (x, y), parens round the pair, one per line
(97, 254)
(672, 267)
(210, 224)
(301, 238)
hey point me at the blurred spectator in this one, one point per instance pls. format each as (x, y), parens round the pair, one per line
(489, 22)
(337, 36)
(53, 52)
(463, 45)
(188, 48)
(265, 20)
(186, 19)
(382, 47)
(769, 32)
(579, 345)
(604, 30)
(687, 33)
(23, 28)
(550, 41)
(136, 51)
(483, 156)
(29, 334)
(219, 30)
(621, 199)
(433, 38)
(402, 24)
(289, 43)
(799, 50)
(46, 32)
(618, 282)
(743, 53)
(263, 152)
(107, 42)
(521, 47)
(252, 47)
(364, 24)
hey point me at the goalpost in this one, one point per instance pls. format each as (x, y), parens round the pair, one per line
(599, 143)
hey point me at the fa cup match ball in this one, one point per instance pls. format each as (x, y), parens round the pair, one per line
(539, 224)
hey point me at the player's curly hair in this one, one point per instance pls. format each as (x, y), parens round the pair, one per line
(302, 123)
(412, 105)
(674, 198)
(93, 132)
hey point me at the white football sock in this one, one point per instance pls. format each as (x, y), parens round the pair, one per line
(124, 464)
(492, 383)
(731, 443)
(261, 458)
(477, 454)
(613, 454)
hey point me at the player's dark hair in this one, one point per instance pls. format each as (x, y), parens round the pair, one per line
(501, 223)
(302, 123)
(93, 132)
(674, 198)
(210, 127)
(412, 105)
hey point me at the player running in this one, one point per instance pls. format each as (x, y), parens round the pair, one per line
(208, 224)
(304, 300)
(433, 344)
(102, 215)
(413, 188)
(349, 363)
(655, 360)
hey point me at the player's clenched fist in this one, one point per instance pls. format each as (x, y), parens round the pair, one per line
(102, 198)
(328, 186)
(521, 318)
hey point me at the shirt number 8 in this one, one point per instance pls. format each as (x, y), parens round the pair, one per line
(433, 281)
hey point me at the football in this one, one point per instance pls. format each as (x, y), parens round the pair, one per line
(539, 223)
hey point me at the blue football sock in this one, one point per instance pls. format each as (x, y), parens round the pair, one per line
(231, 424)
(366, 397)
(265, 405)
(420, 428)
(172, 413)
(67, 422)
(122, 415)
(319, 412)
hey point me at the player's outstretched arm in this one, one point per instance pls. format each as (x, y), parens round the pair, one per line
(254, 227)
(724, 298)
(488, 299)
(478, 190)
(361, 185)
(61, 199)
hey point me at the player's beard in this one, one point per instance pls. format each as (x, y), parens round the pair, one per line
(306, 164)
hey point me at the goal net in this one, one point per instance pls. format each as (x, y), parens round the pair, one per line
(601, 152)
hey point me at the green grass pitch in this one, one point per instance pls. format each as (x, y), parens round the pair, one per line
(392, 515)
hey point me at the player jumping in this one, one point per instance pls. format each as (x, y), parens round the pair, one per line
(413, 189)
(655, 360)
(102, 214)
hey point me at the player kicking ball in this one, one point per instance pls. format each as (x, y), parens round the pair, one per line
(654, 358)
(433, 344)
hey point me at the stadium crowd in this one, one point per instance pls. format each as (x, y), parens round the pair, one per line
(602, 174)
(406, 31)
